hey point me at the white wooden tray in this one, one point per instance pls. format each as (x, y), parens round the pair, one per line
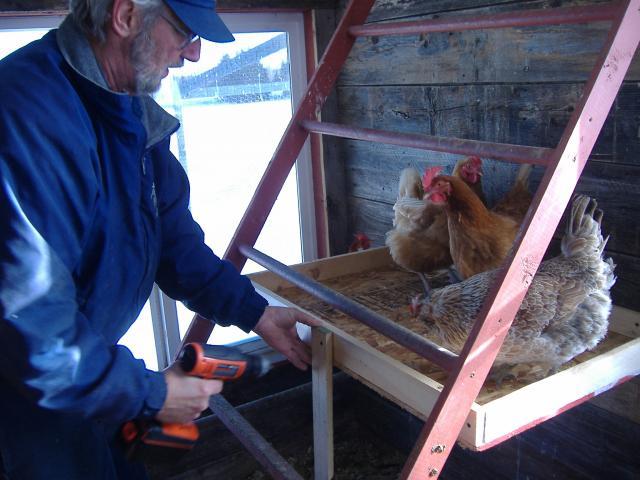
(371, 278)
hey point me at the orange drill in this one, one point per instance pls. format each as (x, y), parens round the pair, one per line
(149, 440)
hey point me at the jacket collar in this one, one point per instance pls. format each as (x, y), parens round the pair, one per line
(76, 50)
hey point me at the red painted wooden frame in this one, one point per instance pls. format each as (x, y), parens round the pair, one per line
(505, 296)
(564, 167)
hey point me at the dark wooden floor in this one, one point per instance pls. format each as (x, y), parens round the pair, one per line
(586, 442)
(373, 438)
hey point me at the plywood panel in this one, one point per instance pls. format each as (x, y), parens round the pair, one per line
(388, 291)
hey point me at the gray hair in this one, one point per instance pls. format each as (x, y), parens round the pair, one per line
(93, 15)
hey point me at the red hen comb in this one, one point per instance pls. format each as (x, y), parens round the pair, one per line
(429, 174)
(361, 242)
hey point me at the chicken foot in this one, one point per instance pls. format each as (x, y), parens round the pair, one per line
(425, 283)
(416, 301)
(454, 275)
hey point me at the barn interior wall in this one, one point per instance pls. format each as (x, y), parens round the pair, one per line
(515, 85)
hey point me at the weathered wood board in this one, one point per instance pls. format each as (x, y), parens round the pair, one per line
(553, 53)
(387, 9)
(371, 278)
(617, 194)
(374, 173)
(525, 114)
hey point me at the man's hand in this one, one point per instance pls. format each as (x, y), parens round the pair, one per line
(187, 396)
(277, 327)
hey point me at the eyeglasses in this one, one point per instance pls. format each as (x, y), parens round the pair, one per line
(189, 37)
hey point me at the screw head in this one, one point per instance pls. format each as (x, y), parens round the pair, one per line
(438, 448)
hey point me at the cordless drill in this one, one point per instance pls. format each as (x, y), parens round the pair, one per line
(151, 440)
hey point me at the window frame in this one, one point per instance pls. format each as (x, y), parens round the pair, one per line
(166, 319)
(15, 21)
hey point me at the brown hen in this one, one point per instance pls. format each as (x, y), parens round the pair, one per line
(479, 239)
(470, 170)
(360, 242)
(517, 200)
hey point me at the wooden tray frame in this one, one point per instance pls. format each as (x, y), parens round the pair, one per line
(488, 423)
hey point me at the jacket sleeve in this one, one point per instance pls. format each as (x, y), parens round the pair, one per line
(48, 349)
(189, 271)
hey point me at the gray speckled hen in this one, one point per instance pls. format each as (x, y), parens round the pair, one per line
(564, 313)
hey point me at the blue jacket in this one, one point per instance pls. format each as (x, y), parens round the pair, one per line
(93, 211)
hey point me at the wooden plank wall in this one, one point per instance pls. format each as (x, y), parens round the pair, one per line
(516, 85)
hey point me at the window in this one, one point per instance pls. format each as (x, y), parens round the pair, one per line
(234, 105)
(15, 32)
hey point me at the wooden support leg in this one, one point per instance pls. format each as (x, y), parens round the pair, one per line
(322, 383)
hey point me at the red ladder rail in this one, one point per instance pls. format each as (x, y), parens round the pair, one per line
(525, 18)
(461, 146)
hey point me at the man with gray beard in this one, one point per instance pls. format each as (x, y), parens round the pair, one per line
(93, 211)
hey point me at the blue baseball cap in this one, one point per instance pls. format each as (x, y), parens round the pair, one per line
(201, 18)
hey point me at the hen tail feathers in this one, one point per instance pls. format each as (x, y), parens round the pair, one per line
(524, 172)
(583, 235)
(410, 184)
